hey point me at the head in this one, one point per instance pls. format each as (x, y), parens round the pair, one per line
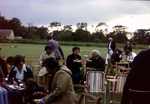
(10, 60)
(128, 43)
(51, 65)
(30, 84)
(19, 61)
(48, 37)
(110, 39)
(76, 50)
(128, 52)
(95, 54)
(48, 49)
(119, 51)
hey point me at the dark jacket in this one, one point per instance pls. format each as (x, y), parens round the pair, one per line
(2, 78)
(116, 57)
(113, 46)
(138, 78)
(74, 67)
(98, 64)
(126, 47)
(28, 93)
(3, 67)
(27, 74)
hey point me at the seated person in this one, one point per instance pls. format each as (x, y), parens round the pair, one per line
(10, 60)
(33, 91)
(4, 67)
(96, 62)
(130, 56)
(73, 64)
(117, 55)
(3, 91)
(46, 54)
(19, 73)
(61, 87)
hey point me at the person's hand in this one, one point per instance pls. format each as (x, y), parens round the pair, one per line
(74, 61)
(15, 83)
(35, 94)
(41, 93)
(3, 84)
(87, 60)
(93, 69)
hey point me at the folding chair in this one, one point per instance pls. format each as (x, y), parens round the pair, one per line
(85, 94)
(110, 67)
(86, 54)
(139, 96)
(118, 85)
(96, 80)
(35, 63)
(125, 64)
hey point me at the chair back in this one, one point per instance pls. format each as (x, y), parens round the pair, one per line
(139, 96)
(96, 80)
(125, 64)
(119, 85)
(122, 70)
(86, 54)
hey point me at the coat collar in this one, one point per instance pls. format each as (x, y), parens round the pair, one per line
(23, 68)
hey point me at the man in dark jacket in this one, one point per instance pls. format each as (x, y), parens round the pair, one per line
(111, 48)
(128, 47)
(96, 62)
(138, 79)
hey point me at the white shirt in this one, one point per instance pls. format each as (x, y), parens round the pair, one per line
(109, 47)
(132, 56)
(20, 76)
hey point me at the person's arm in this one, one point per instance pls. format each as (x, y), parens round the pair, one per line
(4, 68)
(61, 51)
(59, 90)
(11, 75)
(28, 96)
(2, 78)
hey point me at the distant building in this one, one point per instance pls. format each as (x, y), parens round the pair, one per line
(8, 33)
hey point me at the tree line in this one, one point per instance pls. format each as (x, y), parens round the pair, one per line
(81, 34)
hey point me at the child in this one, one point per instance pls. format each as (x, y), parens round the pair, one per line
(33, 91)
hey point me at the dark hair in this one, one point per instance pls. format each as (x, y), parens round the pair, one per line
(48, 37)
(118, 50)
(30, 82)
(18, 59)
(48, 47)
(75, 48)
(51, 63)
(127, 51)
(10, 59)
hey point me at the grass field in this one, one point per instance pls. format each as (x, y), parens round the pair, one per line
(29, 50)
(33, 50)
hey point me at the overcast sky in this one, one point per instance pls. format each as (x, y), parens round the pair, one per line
(133, 14)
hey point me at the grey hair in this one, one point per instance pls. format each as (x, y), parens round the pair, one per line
(96, 52)
(110, 38)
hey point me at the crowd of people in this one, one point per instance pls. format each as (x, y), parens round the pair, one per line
(61, 88)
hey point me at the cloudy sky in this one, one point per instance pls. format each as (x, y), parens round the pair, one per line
(132, 14)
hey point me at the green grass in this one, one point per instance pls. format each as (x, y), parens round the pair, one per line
(35, 50)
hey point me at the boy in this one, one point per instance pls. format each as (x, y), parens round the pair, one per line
(33, 91)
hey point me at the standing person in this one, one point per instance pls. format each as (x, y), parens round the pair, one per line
(3, 91)
(19, 74)
(4, 67)
(55, 47)
(138, 79)
(96, 62)
(46, 54)
(111, 48)
(61, 88)
(73, 64)
(127, 47)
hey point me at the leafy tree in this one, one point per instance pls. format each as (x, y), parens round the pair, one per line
(4, 24)
(82, 26)
(68, 28)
